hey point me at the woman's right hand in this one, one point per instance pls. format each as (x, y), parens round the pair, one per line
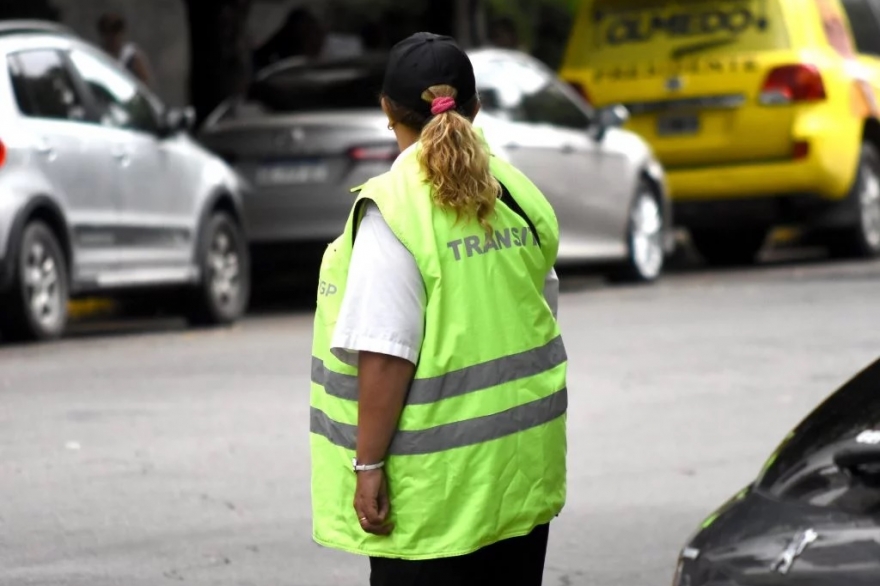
(371, 502)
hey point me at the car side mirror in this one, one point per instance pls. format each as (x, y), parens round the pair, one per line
(179, 120)
(611, 117)
(862, 462)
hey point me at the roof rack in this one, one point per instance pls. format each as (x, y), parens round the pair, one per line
(19, 27)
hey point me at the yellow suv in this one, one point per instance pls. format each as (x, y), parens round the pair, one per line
(762, 111)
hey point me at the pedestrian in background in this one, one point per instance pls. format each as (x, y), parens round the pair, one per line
(439, 373)
(503, 34)
(113, 31)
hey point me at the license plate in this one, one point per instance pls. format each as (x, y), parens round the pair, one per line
(678, 124)
(292, 174)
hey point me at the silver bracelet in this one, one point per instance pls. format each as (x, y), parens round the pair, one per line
(365, 467)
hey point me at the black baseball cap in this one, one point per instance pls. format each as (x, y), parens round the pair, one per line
(425, 60)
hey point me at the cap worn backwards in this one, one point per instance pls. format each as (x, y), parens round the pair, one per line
(425, 60)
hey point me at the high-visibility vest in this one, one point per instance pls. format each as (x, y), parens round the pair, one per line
(479, 455)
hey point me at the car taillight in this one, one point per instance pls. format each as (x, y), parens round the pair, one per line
(2, 153)
(382, 152)
(581, 90)
(793, 83)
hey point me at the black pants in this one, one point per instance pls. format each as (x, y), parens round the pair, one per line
(515, 562)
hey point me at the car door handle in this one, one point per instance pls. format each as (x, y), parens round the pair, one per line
(122, 155)
(567, 149)
(46, 149)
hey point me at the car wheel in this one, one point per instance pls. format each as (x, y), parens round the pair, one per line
(728, 248)
(223, 292)
(862, 240)
(645, 235)
(35, 308)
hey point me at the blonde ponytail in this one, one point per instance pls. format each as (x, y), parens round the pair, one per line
(453, 156)
(456, 163)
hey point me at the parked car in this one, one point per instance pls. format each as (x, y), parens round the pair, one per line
(812, 517)
(764, 112)
(308, 132)
(102, 191)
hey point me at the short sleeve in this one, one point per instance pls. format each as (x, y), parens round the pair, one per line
(383, 310)
(551, 291)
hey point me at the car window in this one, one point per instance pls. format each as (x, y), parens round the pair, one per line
(803, 468)
(500, 95)
(43, 86)
(118, 99)
(342, 85)
(863, 22)
(519, 92)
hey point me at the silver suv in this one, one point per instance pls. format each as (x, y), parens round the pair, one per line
(103, 191)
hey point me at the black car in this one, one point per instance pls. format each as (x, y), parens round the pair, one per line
(812, 518)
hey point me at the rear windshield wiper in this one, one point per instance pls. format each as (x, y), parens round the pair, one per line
(702, 46)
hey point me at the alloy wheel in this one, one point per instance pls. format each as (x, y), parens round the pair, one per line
(43, 286)
(647, 236)
(224, 262)
(869, 207)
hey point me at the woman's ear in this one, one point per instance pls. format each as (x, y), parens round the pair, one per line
(386, 108)
(477, 108)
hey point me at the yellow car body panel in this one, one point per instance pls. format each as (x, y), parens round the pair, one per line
(692, 73)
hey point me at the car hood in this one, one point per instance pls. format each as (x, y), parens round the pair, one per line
(748, 539)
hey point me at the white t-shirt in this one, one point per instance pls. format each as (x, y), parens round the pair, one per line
(383, 310)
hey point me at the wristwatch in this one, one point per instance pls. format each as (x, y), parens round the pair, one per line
(365, 467)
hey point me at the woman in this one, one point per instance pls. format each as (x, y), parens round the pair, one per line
(438, 395)
(112, 29)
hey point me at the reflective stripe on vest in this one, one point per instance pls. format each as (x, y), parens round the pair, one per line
(454, 384)
(451, 435)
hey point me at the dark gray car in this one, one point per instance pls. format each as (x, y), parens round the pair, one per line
(308, 132)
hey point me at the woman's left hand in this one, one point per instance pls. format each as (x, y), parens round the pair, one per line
(371, 502)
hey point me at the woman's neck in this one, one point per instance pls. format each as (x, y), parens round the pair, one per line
(406, 137)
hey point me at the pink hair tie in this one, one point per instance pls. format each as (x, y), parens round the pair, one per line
(440, 105)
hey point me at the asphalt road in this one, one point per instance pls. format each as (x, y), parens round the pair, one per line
(145, 454)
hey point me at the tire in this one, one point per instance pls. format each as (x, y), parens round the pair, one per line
(223, 292)
(644, 238)
(727, 248)
(35, 307)
(862, 239)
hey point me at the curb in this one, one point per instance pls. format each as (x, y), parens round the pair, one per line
(785, 235)
(86, 308)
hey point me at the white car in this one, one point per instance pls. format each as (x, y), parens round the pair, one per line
(102, 191)
(604, 182)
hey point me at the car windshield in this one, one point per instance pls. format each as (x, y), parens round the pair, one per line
(339, 85)
(852, 412)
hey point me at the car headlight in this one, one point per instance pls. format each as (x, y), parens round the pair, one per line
(676, 579)
(688, 554)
